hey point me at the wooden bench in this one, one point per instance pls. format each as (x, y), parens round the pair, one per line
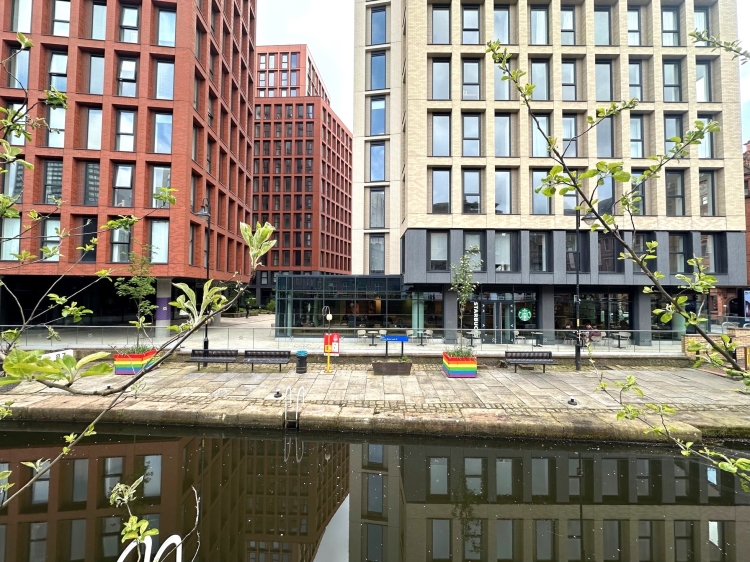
(517, 358)
(266, 356)
(225, 356)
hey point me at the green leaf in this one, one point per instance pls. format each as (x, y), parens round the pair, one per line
(91, 358)
(99, 370)
(727, 467)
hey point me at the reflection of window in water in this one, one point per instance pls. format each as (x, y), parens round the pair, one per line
(439, 477)
(441, 540)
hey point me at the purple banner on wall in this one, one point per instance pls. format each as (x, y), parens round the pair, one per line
(162, 308)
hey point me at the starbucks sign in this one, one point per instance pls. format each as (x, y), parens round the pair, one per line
(524, 314)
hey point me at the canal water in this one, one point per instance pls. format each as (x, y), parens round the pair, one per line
(270, 497)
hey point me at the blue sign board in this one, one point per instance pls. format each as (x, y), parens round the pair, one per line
(403, 339)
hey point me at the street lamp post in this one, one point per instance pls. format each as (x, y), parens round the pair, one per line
(589, 219)
(205, 213)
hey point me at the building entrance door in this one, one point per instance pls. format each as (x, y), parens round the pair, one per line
(497, 322)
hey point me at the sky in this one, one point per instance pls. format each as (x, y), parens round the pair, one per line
(328, 28)
(334, 547)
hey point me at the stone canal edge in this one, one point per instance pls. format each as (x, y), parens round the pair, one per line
(450, 420)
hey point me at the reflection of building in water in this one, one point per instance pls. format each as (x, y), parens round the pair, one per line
(67, 516)
(376, 523)
(546, 506)
(289, 502)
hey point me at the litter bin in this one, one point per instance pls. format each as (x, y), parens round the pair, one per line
(301, 362)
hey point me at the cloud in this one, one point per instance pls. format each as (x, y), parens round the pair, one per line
(328, 30)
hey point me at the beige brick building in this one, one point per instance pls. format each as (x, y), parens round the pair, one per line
(445, 156)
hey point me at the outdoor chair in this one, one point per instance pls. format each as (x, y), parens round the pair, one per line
(428, 335)
(410, 334)
(518, 337)
(361, 335)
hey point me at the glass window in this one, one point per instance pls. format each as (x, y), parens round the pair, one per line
(608, 263)
(56, 132)
(501, 24)
(708, 252)
(504, 475)
(375, 543)
(374, 493)
(675, 194)
(636, 136)
(80, 480)
(377, 162)
(125, 134)
(470, 29)
(377, 26)
(441, 80)
(539, 143)
(37, 542)
(12, 180)
(717, 549)
(568, 80)
(441, 540)
(540, 79)
(470, 83)
(161, 176)
(96, 75)
(441, 25)
(570, 133)
(18, 72)
(377, 208)
(61, 18)
(21, 16)
(634, 26)
(473, 541)
(574, 540)
(438, 262)
(94, 132)
(377, 71)
(40, 488)
(707, 193)
(506, 252)
(10, 229)
(377, 254)
(441, 135)
(441, 191)
(58, 71)
(701, 24)
(53, 172)
(439, 466)
(98, 21)
(163, 133)
(670, 27)
(604, 81)
(18, 114)
(503, 194)
(167, 28)
(474, 240)
(602, 26)
(672, 130)
(159, 254)
(129, 16)
(164, 80)
(471, 134)
(672, 81)
(567, 25)
(123, 185)
(639, 191)
(539, 261)
(539, 27)
(611, 535)
(703, 81)
(377, 116)
(605, 138)
(544, 540)
(636, 80)
(502, 87)
(683, 541)
(472, 191)
(541, 204)
(120, 254)
(91, 183)
(706, 147)
(110, 536)
(51, 241)
(127, 78)
(502, 135)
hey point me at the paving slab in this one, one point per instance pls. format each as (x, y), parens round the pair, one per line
(496, 403)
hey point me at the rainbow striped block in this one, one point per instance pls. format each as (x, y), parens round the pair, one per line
(132, 364)
(459, 367)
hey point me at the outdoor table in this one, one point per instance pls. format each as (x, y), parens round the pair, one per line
(620, 336)
(538, 338)
(373, 334)
(472, 336)
(420, 333)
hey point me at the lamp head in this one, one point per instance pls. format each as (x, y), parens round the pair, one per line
(589, 218)
(329, 316)
(204, 213)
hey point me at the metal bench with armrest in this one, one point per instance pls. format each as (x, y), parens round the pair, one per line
(517, 358)
(205, 356)
(267, 356)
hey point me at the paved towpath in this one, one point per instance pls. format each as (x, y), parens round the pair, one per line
(497, 403)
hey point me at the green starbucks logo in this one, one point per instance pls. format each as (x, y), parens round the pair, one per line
(524, 314)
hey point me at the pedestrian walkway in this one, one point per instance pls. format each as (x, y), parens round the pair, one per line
(497, 403)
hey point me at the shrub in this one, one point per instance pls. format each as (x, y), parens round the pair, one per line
(271, 306)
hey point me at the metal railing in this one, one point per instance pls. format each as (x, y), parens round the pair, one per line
(366, 340)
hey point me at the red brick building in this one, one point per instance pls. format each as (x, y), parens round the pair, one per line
(302, 168)
(159, 94)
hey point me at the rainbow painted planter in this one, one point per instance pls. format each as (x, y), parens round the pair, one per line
(133, 363)
(459, 367)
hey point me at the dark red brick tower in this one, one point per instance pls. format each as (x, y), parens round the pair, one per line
(159, 94)
(302, 168)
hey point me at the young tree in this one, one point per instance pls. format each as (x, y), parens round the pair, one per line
(139, 287)
(463, 285)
